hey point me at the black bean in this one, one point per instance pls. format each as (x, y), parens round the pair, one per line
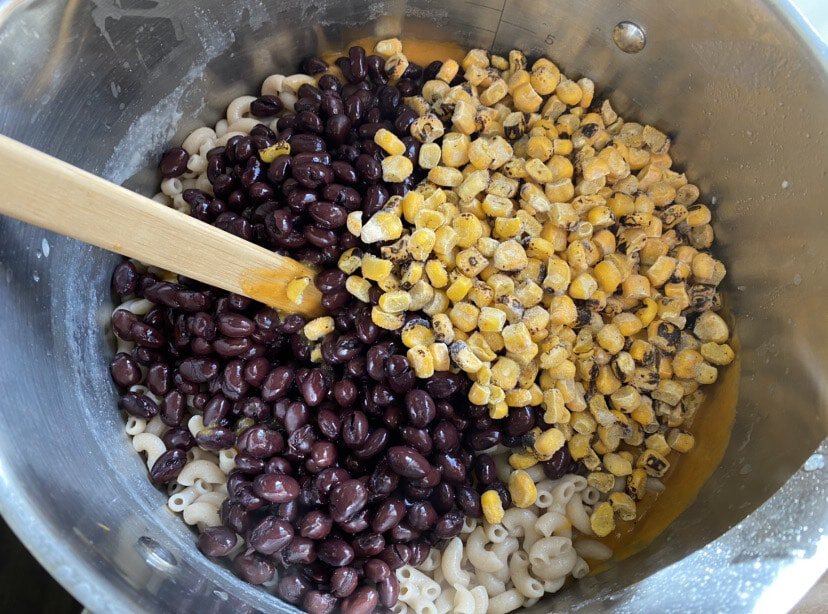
(315, 525)
(388, 514)
(558, 466)
(300, 143)
(292, 587)
(266, 106)
(449, 525)
(253, 568)
(178, 438)
(344, 581)
(198, 370)
(335, 552)
(277, 383)
(383, 480)
(468, 500)
(420, 408)
(395, 555)
(323, 455)
(503, 493)
(481, 440)
(362, 601)
(375, 198)
(346, 499)
(124, 370)
(215, 438)
(376, 443)
(168, 466)
(174, 162)
(270, 535)
(419, 552)
(388, 590)
(421, 516)
(314, 388)
(419, 439)
(276, 488)
(446, 437)
(124, 279)
(354, 429)
(368, 169)
(484, 469)
(316, 602)
(260, 442)
(217, 541)
(138, 405)
(406, 462)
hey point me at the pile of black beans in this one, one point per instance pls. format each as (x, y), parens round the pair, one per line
(298, 204)
(345, 471)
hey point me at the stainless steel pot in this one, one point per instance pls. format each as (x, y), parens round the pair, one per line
(106, 84)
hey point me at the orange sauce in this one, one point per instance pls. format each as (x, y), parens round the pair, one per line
(712, 424)
(269, 286)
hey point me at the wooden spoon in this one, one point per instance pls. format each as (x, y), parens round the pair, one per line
(49, 193)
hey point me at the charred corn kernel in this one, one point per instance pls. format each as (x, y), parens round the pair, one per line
(475, 75)
(518, 397)
(608, 276)
(421, 243)
(464, 358)
(468, 228)
(628, 323)
(686, 363)
(350, 260)
(601, 481)
(389, 142)
(522, 488)
(494, 93)
(602, 520)
(428, 218)
(459, 288)
(648, 312)
(653, 463)
(583, 286)
(445, 176)
(510, 256)
(417, 332)
(382, 226)
(545, 78)
(396, 169)
(636, 287)
(436, 272)
(507, 227)
(427, 128)
(710, 327)
(429, 156)
(562, 310)
(479, 394)
(717, 354)
(516, 337)
(358, 287)
(697, 215)
(526, 99)
(412, 204)
(505, 373)
(421, 361)
(617, 465)
(708, 374)
(610, 338)
(549, 442)
(388, 321)
(269, 154)
(470, 262)
(296, 289)
(354, 223)
(680, 441)
(660, 271)
(438, 304)
(442, 328)
(492, 507)
(318, 328)
(637, 483)
(440, 356)
(375, 268)
(540, 148)
(623, 505)
(388, 47)
(474, 183)
(396, 65)
(491, 320)
(464, 316)
(395, 302)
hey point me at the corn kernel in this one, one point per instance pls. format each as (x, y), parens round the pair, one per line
(519, 460)
(653, 463)
(522, 488)
(395, 302)
(389, 142)
(396, 169)
(421, 243)
(717, 354)
(492, 507)
(459, 288)
(602, 521)
(417, 332)
(617, 465)
(382, 226)
(358, 287)
(479, 394)
(711, 326)
(680, 441)
(549, 442)
(421, 361)
(470, 262)
(464, 316)
(440, 356)
(269, 154)
(445, 176)
(318, 328)
(374, 268)
(388, 47)
(583, 286)
(510, 256)
(436, 272)
(429, 156)
(442, 327)
(464, 358)
(388, 321)
(526, 99)
(296, 289)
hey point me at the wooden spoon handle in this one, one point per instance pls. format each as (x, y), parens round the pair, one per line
(51, 194)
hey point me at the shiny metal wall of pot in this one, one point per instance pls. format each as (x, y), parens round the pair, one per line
(104, 85)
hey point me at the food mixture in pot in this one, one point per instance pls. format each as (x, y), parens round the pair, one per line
(522, 315)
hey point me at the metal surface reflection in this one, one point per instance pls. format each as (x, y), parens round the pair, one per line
(106, 85)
